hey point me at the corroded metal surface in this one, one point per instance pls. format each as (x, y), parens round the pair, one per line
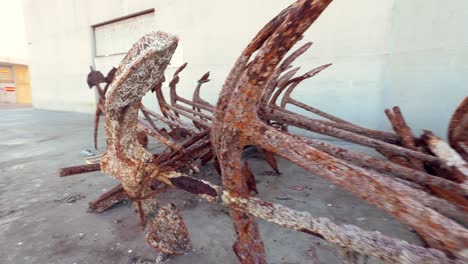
(458, 127)
(112, 197)
(416, 184)
(79, 169)
(168, 233)
(456, 164)
(95, 79)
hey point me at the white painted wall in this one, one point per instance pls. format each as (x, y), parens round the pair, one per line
(385, 53)
(13, 45)
(60, 34)
(427, 70)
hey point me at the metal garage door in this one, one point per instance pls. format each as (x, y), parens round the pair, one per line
(112, 39)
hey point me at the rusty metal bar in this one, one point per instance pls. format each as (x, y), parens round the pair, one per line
(451, 158)
(385, 166)
(406, 135)
(112, 197)
(351, 237)
(167, 121)
(285, 116)
(79, 169)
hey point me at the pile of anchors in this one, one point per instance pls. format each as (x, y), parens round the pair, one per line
(422, 182)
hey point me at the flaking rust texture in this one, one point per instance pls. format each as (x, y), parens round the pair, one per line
(114, 196)
(142, 68)
(458, 127)
(422, 184)
(167, 232)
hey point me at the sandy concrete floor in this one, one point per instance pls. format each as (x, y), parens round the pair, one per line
(44, 219)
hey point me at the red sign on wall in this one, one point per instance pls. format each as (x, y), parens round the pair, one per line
(9, 89)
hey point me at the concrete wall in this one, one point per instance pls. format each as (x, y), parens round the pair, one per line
(13, 45)
(61, 49)
(386, 52)
(427, 70)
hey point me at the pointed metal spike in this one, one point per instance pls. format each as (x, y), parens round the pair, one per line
(181, 68)
(287, 62)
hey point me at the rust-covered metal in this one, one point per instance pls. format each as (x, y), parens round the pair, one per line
(458, 127)
(68, 171)
(112, 197)
(453, 161)
(168, 233)
(95, 79)
(405, 134)
(421, 181)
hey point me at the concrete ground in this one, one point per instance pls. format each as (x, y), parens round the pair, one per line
(44, 218)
